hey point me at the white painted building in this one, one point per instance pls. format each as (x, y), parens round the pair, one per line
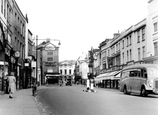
(152, 32)
(66, 69)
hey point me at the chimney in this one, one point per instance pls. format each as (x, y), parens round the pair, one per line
(116, 35)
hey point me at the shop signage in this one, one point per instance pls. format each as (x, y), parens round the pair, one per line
(49, 47)
(50, 63)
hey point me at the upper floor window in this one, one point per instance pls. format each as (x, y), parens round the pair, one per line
(130, 53)
(49, 59)
(65, 71)
(143, 34)
(127, 41)
(123, 44)
(127, 56)
(138, 54)
(138, 36)
(123, 58)
(156, 48)
(61, 71)
(70, 71)
(155, 27)
(2, 6)
(50, 53)
(130, 41)
(143, 50)
(5, 11)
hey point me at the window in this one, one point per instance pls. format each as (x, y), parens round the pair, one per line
(130, 53)
(138, 36)
(70, 71)
(143, 34)
(50, 53)
(138, 54)
(2, 6)
(127, 56)
(123, 44)
(5, 11)
(123, 58)
(49, 59)
(135, 73)
(143, 50)
(155, 27)
(156, 48)
(127, 41)
(61, 71)
(130, 41)
(65, 71)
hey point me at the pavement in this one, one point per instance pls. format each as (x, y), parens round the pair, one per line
(22, 103)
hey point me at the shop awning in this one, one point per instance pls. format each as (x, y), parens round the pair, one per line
(101, 76)
(112, 75)
(117, 76)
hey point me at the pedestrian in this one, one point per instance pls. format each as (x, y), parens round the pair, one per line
(12, 84)
(34, 87)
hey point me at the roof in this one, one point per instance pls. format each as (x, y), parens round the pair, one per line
(68, 62)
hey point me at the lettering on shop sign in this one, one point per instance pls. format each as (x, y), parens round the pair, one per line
(50, 63)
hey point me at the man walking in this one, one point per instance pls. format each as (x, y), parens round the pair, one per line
(12, 84)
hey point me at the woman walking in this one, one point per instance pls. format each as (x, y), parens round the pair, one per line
(12, 84)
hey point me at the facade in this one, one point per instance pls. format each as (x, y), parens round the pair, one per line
(66, 69)
(13, 32)
(152, 33)
(126, 48)
(18, 42)
(48, 61)
(81, 69)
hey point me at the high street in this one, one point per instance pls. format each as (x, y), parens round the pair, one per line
(72, 100)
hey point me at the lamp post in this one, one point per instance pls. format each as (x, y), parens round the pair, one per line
(38, 48)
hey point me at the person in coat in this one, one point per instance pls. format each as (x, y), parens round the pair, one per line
(12, 84)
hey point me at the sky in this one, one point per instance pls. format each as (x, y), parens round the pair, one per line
(81, 24)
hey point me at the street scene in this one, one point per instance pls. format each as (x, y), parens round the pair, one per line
(70, 57)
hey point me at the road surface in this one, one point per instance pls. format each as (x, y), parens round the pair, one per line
(72, 100)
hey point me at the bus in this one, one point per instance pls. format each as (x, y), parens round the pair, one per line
(139, 78)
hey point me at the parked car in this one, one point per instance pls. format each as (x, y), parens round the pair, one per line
(69, 82)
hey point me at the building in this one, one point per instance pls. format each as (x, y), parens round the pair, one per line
(48, 56)
(152, 33)
(81, 69)
(19, 36)
(126, 48)
(66, 69)
(13, 28)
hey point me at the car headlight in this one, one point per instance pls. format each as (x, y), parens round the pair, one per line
(150, 82)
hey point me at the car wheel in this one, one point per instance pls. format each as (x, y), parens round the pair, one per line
(143, 92)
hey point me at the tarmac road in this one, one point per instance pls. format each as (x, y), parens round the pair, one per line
(72, 100)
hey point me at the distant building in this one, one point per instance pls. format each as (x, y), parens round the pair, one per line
(66, 69)
(48, 56)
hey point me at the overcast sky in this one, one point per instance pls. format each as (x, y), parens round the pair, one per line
(81, 24)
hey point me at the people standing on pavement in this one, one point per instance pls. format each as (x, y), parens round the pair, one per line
(12, 84)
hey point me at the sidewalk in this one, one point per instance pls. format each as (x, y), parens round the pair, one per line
(23, 103)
